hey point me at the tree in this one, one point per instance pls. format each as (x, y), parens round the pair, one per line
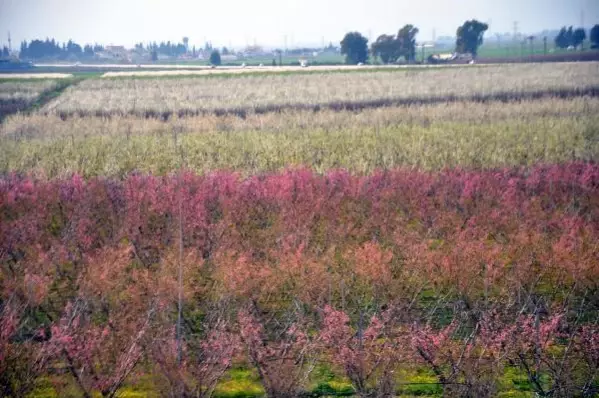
(154, 55)
(99, 358)
(284, 358)
(594, 36)
(204, 360)
(215, 58)
(578, 37)
(368, 355)
(5, 52)
(225, 51)
(561, 40)
(88, 50)
(186, 43)
(355, 48)
(407, 41)
(470, 36)
(386, 47)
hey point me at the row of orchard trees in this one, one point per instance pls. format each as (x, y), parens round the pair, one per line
(466, 274)
(391, 48)
(102, 340)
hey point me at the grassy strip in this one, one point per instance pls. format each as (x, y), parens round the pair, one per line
(47, 96)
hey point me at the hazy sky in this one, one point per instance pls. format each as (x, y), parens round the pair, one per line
(239, 22)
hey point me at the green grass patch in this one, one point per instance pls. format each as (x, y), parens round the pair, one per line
(239, 383)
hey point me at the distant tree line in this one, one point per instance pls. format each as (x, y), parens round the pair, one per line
(570, 37)
(36, 49)
(391, 48)
(164, 48)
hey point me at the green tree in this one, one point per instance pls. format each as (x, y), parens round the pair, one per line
(215, 58)
(594, 36)
(5, 52)
(561, 40)
(407, 41)
(88, 50)
(578, 37)
(470, 36)
(154, 55)
(355, 48)
(386, 47)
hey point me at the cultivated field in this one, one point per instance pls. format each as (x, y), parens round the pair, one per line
(272, 92)
(431, 137)
(18, 94)
(370, 233)
(17, 90)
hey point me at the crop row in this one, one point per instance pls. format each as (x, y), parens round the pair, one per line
(38, 125)
(190, 96)
(462, 274)
(429, 138)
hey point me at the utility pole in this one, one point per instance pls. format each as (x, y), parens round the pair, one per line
(582, 26)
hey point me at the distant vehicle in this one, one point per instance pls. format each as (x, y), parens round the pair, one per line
(441, 58)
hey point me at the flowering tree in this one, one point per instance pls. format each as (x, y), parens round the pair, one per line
(98, 357)
(195, 368)
(21, 362)
(368, 355)
(465, 365)
(284, 359)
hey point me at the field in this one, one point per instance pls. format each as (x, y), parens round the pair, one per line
(273, 92)
(372, 233)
